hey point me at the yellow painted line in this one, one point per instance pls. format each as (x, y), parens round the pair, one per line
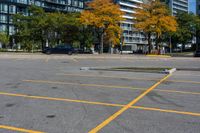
(114, 77)
(187, 75)
(110, 86)
(103, 76)
(92, 85)
(98, 103)
(18, 129)
(166, 111)
(115, 115)
(165, 56)
(58, 99)
(184, 81)
(175, 91)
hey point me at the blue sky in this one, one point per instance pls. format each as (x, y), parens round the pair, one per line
(192, 6)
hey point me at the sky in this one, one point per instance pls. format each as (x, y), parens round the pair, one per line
(192, 6)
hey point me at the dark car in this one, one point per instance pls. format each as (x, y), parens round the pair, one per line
(60, 49)
(197, 53)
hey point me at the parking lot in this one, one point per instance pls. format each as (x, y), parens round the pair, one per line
(51, 94)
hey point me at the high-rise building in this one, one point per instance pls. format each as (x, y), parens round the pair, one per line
(177, 6)
(10, 7)
(132, 40)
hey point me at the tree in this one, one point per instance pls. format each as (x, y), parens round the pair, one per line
(42, 28)
(103, 15)
(29, 29)
(4, 39)
(188, 25)
(153, 18)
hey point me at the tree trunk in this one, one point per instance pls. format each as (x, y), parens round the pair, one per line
(101, 44)
(156, 42)
(149, 42)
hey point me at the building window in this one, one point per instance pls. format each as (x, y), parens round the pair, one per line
(11, 30)
(12, 9)
(2, 28)
(3, 18)
(3, 8)
(22, 1)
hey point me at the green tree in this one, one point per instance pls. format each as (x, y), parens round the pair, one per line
(41, 27)
(4, 39)
(153, 18)
(188, 25)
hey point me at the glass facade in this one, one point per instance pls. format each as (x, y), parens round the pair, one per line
(178, 6)
(10, 7)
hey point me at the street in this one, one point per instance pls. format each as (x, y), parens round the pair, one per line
(49, 93)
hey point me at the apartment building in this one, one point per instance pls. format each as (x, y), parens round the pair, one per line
(10, 7)
(177, 6)
(132, 39)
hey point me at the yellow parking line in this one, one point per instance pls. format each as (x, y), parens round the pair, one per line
(110, 86)
(103, 76)
(98, 103)
(19, 129)
(133, 78)
(166, 110)
(187, 75)
(58, 99)
(184, 81)
(175, 91)
(134, 101)
(93, 85)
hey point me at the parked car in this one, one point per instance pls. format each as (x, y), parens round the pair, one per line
(60, 49)
(197, 53)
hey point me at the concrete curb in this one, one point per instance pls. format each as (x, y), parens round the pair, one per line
(169, 71)
(166, 71)
(165, 56)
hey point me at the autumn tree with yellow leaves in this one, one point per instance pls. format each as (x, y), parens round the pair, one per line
(104, 16)
(153, 18)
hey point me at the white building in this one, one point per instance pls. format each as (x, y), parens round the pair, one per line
(132, 39)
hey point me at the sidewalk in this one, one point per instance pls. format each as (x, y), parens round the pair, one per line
(7, 55)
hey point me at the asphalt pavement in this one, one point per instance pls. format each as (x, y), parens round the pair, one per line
(49, 93)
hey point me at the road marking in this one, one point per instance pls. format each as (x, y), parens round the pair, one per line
(183, 81)
(110, 86)
(115, 115)
(80, 84)
(179, 92)
(166, 110)
(99, 103)
(187, 75)
(103, 76)
(146, 79)
(19, 129)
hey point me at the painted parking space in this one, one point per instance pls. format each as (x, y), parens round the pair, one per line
(55, 96)
(153, 122)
